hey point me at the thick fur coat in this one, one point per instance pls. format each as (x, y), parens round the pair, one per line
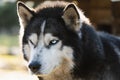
(59, 43)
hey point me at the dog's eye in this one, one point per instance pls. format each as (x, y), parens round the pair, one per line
(53, 42)
(31, 42)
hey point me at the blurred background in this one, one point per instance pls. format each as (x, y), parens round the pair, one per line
(103, 14)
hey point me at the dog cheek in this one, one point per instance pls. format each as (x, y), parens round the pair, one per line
(68, 56)
(26, 52)
(66, 64)
(66, 59)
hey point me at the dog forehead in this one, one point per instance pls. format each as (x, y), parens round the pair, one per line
(43, 26)
(54, 26)
(50, 24)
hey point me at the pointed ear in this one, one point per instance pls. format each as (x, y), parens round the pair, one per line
(71, 16)
(24, 13)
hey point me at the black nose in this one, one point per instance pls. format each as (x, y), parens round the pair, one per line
(34, 66)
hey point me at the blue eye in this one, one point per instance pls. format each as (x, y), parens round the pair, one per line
(53, 42)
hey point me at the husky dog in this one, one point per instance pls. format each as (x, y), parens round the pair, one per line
(59, 43)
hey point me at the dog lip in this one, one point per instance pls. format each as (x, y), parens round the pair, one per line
(41, 75)
(36, 73)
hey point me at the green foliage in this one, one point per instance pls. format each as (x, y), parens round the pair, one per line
(8, 15)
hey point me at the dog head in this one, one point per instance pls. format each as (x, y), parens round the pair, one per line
(49, 34)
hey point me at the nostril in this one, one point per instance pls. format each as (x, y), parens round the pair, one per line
(34, 67)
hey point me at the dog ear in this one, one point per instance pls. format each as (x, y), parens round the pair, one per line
(71, 16)
(24, 13)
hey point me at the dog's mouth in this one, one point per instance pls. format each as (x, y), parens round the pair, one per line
(41, 73)
(36, 73)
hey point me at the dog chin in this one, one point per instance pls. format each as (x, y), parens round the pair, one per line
(35, 73)
(41, 75)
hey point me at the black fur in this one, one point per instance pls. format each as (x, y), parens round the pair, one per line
(96, 54)
(99, 59)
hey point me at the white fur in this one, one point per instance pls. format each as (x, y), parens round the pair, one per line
(27, 50)
(34, 38)
(43, 27)
(49, 58)
(40, 42)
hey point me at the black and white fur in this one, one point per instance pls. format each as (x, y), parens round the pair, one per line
(59, 43)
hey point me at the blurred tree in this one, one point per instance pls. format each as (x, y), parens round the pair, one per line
(8, 15)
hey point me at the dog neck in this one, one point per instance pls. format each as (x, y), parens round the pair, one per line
(62, 72)
(58, 77)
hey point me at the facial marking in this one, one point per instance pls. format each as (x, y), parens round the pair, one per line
(43, 27)
(35, 52)
(54, 57)
(41, 37)
(49, 38)
(51, 58)
(33, 39)
(27, 51)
